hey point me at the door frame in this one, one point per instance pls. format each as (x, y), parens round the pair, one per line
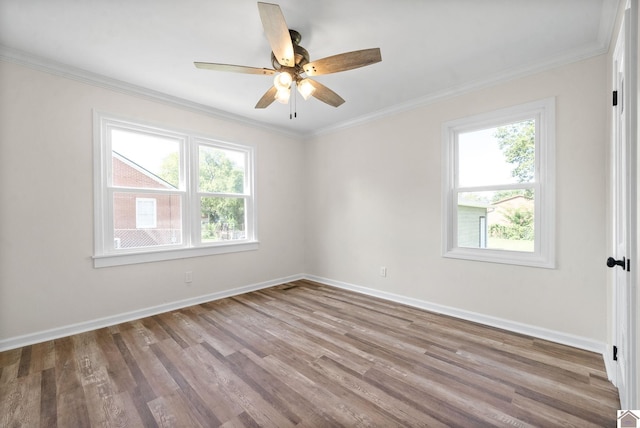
(628, 35)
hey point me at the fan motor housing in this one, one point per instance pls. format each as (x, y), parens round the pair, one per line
(301, 55)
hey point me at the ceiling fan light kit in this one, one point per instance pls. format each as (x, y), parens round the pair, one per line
(282, 80)
(305, 88)
(282, 95)
(291, 63)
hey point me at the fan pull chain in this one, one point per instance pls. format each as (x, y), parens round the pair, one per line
(293, 105)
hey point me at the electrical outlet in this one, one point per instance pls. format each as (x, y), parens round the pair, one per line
(188, 277)
(383, 271)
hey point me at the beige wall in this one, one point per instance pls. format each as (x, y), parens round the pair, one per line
(375, 201)
(336, 206)
(47, 279)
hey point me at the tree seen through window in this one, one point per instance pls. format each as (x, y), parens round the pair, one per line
(221, 182)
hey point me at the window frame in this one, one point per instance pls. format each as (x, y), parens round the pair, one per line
(107, 253)
(543, 111)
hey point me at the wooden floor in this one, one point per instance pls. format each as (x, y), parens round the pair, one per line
(308, 355)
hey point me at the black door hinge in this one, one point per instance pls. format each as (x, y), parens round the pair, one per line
(615, 353)
(615, 98)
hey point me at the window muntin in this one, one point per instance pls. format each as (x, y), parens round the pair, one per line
(498, 191)
(162, 194)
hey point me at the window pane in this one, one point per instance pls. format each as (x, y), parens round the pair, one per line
(222, 219)
(146, 213)
(500, 220)
(146, 220)
(500, 155)
(145, 160)
(221, 171)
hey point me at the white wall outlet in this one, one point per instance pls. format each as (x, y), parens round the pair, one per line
(188, 277)
(383, 271)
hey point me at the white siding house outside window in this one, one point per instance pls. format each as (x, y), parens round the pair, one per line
(498, 186)
(163, 194)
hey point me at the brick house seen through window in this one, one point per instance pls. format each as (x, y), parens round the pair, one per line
(133, 212)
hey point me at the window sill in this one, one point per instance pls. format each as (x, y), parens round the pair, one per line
(501, 256)
(108, 260)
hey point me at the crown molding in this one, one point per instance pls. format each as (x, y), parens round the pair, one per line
(600, 47)
(52, 67)
(508, 75)
(94, 79)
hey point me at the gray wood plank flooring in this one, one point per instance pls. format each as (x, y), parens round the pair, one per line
(308, 355)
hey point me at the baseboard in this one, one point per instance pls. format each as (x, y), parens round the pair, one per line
(55, 333)
(610, 365)
(542, 333)
(538, 332)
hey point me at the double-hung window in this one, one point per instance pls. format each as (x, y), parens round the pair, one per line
(498, 186)
(162, 194)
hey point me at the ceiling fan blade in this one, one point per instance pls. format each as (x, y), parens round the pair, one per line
(343, 62)
(234, 68)
(277, 32)
(267, 98)
(325, 94)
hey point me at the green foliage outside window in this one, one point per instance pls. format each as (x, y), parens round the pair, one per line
(517, 142)
(520, 225)
(223, 210)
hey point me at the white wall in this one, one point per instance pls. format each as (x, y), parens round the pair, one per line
(47, 279)
(375, 196)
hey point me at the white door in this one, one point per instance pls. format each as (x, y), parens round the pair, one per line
(624, 209)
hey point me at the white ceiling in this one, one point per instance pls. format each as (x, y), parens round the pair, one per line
(430, 48)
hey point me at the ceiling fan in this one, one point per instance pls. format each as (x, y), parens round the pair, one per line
(291, 65)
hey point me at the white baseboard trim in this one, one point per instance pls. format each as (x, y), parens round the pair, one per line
(610, 365)
(55, 333)
(538, 332)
